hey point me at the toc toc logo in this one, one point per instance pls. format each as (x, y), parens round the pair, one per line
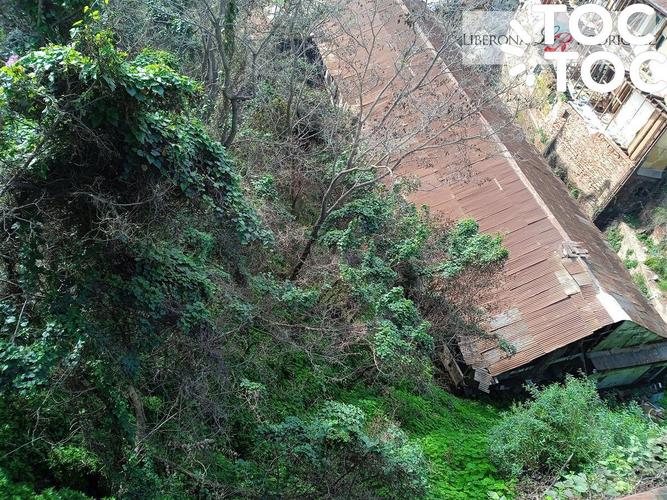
(558, 39)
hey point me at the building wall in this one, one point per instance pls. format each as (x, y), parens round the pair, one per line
(655, 163)
(594, 167)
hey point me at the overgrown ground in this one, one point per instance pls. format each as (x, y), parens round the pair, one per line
(453, 432)
(640, 240)
(208, 291)
(196, 277)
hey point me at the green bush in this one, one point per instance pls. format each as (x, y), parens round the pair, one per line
(73, 464)
(640, 281)
(561, 426)
(340, 452)
(630, 263)
(18, 491)
(614, 238)
(658, 264)
(640, 463)
(468, 246)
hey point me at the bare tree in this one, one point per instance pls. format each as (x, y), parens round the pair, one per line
(406, 98)
(409, 109)
(230, 45)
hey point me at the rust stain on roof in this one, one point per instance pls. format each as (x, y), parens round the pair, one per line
(563, 282)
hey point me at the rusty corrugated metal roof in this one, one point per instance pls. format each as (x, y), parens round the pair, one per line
(562, 281)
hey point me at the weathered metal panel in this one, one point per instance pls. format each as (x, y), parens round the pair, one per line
(624, 376)
(626, 335)
(634, 356)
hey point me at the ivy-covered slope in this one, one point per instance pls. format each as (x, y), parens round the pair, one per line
(154, 342)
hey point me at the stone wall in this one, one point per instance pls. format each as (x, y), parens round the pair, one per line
(588, 161)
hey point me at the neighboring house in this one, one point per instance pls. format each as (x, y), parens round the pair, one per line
(611, 147)
(567, 302)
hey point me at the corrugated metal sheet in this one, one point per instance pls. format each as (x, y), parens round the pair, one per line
(551, 295)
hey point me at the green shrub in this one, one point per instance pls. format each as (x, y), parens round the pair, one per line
(340, 452)
(640, 281)
(543, 136)
(658, 264)
(647, 241)
(630, 263)
(614, 238)
(468, 246)
(638, 463)
(72, 464)
(19, 491)
(561, 425)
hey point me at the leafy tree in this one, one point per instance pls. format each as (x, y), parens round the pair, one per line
(10, 489)
(97, 148)
(467, 247)
(29, 24)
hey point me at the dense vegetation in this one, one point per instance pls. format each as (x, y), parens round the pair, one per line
(207, 292)
(578, 444)
(156, 338)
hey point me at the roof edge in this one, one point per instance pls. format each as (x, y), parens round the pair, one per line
(613, 308)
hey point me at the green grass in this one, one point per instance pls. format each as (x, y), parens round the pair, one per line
(453, 434)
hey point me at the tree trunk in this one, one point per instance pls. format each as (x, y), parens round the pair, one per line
(139, 416)
(306, 250)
